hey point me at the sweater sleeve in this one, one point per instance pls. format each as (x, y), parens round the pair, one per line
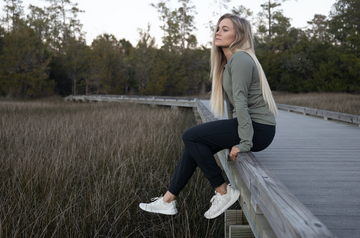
(241, 76)
(229, 107)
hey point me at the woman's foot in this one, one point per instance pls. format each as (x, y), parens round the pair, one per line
(159, 206)
(220, 203)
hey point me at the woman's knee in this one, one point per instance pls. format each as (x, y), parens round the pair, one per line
(189, 134)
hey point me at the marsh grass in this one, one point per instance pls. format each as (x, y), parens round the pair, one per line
(80, 170)
(337, 102)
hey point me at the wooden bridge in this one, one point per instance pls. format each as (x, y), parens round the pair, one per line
(306, 184)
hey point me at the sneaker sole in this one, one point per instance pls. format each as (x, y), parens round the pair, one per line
(231, 202)
(164, 212)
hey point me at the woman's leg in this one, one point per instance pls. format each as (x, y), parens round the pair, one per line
(201, 143)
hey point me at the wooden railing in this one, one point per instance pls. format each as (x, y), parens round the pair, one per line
(327, 115)
(152, 100)
(270, 208)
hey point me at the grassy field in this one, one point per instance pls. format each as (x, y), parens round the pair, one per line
(80, 170)
(337, 102)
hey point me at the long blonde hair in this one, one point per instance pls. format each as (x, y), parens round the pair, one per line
(243, 42)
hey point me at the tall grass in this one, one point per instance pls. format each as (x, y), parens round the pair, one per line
(80, 170)
(337, 102)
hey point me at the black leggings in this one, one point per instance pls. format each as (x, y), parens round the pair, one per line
(204, 140)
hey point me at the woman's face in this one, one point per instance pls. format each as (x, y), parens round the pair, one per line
(225, 34)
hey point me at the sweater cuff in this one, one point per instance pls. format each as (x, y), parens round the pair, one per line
(243, 148)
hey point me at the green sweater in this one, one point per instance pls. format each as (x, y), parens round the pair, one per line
(243, 96)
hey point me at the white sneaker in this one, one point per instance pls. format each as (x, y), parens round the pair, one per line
(159, 206)
(220, 203)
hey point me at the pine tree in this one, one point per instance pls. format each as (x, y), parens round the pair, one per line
(13, 13)
(24, 65)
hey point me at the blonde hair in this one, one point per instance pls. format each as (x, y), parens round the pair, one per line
(243, 42)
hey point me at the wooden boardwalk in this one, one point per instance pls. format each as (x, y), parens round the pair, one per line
(306, 184)
(319, 162)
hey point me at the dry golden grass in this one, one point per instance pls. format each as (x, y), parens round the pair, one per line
(80, 170)
(337, 102)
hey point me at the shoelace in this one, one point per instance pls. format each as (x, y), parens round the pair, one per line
(157, 199)
(215, 199)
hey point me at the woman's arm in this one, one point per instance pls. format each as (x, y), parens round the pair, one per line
(229, 107)
(242, 67)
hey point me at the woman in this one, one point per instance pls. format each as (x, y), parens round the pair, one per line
(237, 78)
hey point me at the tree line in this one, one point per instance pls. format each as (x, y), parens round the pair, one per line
(45, 52)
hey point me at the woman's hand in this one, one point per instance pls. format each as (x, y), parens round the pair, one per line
(234, 152)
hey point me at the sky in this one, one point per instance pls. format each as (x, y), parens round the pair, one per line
(123, 18)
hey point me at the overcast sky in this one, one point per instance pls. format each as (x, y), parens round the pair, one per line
(122, 18)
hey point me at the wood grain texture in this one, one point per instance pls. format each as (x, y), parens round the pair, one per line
(319, 162)
(287, 216)
(258, 223)
(240, 231)
(235, 217)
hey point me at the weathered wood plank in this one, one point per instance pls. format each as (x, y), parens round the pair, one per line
(286, 214)
(282, 224)
(329, 200)
(334, 210)
(342, 222)
(346, 233)
(258, 223)
(318, 161)
(235, 217)
(240, 231)
(330, 191)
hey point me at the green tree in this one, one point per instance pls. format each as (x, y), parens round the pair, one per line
(283, 36)
(344, 29)
(318, 27)
(242, 11)
(271, 15)
(75, 61)
(13, 12)
(63, 22)
(177, 25)
(24, 65)
(296, 67)
(38, 20)
(158, 77)
(167, 77)
(108, 56)
(92, 72)
(144, 59)
(197, 69)
(344, 16)
(177, 83)
(187, 24)
(351, 61)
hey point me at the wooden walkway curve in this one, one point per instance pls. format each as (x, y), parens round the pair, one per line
(319, 162)
(306, 184)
